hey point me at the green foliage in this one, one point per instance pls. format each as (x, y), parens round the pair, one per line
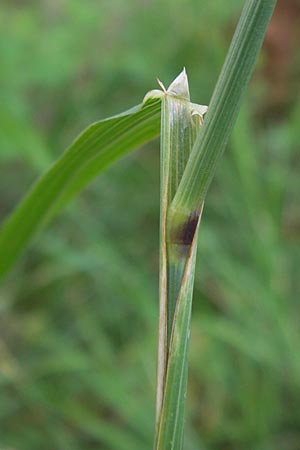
(224, 105)
(97, 147)
(78, 313)
(188, 165)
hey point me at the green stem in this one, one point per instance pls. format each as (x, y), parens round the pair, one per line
(180, 123)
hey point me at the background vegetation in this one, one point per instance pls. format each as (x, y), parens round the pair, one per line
(78, 314)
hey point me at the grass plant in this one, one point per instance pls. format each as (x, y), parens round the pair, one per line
(189, 156)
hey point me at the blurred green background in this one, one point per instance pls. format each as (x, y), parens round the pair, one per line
(78, 313)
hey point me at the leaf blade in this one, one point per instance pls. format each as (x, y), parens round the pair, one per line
(224, 107)
(94, 149)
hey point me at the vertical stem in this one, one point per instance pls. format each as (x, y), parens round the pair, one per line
(179, 128)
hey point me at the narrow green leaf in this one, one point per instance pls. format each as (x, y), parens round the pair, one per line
(223, 108)
(97, 147)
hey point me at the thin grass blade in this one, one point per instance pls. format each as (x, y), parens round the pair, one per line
(98, 146)
(223, 108)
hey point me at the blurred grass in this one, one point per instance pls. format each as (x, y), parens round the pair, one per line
(78, 313)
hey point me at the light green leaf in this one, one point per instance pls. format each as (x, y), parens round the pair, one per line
(223, 108)
(97, 147)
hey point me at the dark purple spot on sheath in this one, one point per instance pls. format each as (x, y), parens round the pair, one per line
(185, 234)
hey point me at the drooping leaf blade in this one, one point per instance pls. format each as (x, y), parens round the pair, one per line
(97, 147)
